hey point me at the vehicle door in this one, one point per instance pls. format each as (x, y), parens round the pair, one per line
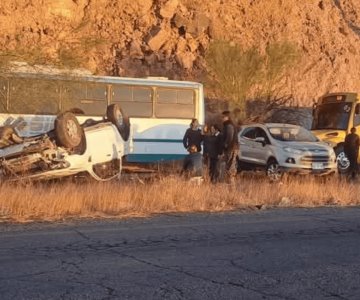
(247, 141)
(261, 146)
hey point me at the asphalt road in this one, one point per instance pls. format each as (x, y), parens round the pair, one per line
(266, 254)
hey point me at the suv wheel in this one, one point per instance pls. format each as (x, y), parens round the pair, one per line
(273, 170)
(68, 130)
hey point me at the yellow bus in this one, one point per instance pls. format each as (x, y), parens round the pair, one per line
(333, 116)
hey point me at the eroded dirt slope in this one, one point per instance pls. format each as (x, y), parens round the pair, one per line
(169, 37)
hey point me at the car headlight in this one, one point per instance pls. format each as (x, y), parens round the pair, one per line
(292, 150)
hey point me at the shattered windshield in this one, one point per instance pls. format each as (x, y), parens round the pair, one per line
(332, 116)
(292, 134)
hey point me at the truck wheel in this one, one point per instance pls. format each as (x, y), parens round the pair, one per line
(68, 131)
(343, 162)
(116, 116)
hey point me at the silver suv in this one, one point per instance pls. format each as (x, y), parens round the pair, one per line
(280, 148)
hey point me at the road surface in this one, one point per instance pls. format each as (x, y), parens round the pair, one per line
(265, 254)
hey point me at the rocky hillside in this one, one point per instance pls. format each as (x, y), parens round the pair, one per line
(170, 37)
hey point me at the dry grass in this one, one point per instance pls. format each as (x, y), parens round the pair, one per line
(59, 201)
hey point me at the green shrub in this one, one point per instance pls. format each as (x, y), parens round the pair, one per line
(237, 73)
(71, 54)
(280, 57)
(234, 70)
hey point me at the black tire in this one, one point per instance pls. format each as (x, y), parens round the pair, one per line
(68, 132)
(273, 171)
(343, 163)
(116, 116)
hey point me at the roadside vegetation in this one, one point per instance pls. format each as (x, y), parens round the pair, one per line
(65, 200)
(252, 82)
(68, 55)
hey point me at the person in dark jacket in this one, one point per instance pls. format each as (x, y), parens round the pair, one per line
(351, 149)
(193, 136)
(206, 134)
(214, 150)
(230, 147)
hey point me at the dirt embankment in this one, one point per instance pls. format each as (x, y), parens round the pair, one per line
(170, 37)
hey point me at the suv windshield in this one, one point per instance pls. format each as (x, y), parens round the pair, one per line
(292, 134)
(332, 116)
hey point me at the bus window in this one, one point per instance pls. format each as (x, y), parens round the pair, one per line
(86, 97)
(135, 101)
(167, 96)
(141, 94)
(34, 96)
(172, 103)
(3, 94)
(96, 91)
(186, 97)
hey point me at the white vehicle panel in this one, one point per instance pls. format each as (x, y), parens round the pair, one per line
(103, 143)
(40, 157)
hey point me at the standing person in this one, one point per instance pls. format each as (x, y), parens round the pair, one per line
(193, 136)
(351, 149)
(214, 150)
(230, 147)
(206, 135)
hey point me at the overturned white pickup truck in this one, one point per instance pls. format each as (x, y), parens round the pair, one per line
(96, 147)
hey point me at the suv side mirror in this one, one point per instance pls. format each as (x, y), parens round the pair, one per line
(261, 140)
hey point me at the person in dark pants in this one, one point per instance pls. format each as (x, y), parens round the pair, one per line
(192, 165)
(193, 136)
(214, 150)
(230, 147)
(351, 149)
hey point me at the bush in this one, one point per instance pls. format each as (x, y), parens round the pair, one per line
(71, 54)
(234, 70)
(237, 73)
(279, 59)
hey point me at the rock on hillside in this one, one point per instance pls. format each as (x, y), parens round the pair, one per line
(170, 37)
